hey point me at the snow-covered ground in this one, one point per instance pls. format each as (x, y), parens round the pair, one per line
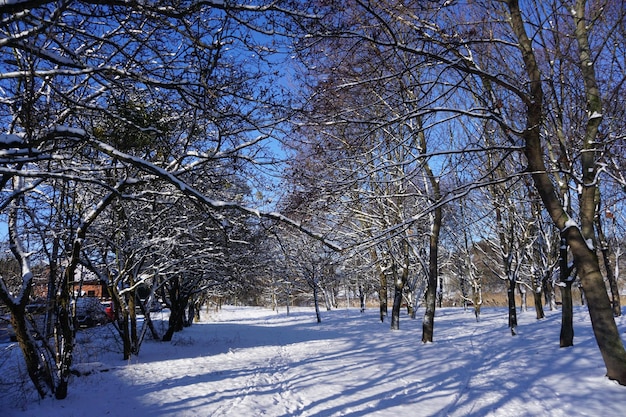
(258, 362)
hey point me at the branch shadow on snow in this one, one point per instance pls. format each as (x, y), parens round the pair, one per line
(472, 369)
(269, 363)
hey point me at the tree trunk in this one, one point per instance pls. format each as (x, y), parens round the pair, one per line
(477, 300)
(604, 248)
(512, 308)
(397, 304)
(410, 307)
(196, 316)
(548, 292)
(125, 333)
(524, 297)
(577, 236)
(428, 325)
(66, 329)
(599, 307)
(178, 306)
(382, 296)
(318, 317)
(176, 320)
(566, 338)
(132, 322)
(327, 299)
(538, 299)
(191, 313)
(362, 298)
(567, 305)
(39, 375)
(149, 323)
(440, 293)
(612, 279)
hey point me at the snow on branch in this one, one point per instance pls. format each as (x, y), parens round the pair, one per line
(9, 141)
(199, 197)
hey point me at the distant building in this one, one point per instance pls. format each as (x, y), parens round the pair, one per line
(86, 284)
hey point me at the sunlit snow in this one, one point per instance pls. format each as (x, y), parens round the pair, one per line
(258, 362)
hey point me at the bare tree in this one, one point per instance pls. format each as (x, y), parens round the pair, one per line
(117, 98)
(498, 46)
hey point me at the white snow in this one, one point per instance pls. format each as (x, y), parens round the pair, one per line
(569, 223)
(9, 139)
(257, 362)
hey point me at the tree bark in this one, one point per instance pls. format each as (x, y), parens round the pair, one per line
(608, 268)
(397, 304)
(41, 379)
(566, 337)
(548, 292)
(178, 304)
(512, 308)
(428, 325)
(524, 298)
(567, 304)
(382, 287)
(125, 333)
(538, 299)
(318, 317)
(176, 320)
(361, 298)
(477, 300)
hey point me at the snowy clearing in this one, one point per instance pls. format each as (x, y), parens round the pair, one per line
(247, 361)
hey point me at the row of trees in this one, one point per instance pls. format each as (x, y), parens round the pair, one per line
(424, 141)
(129, 133)
(501, 118)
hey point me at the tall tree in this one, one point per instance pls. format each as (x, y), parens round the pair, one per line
(501, 43)
(192, 85)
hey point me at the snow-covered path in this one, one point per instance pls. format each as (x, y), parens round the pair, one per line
(257, 362)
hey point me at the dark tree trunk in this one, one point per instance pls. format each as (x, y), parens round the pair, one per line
(125, 333)
(132, 317)
(566, 338)
(176, 320)
(66, 326)
(599, 307)
(382, 286)
(400, 280)
(567, 304)
(382, 296)
(178, 305)
(512, 308)
(397, 304)
(428, 325)
(362, 298)
(128, 326)
(318, 317)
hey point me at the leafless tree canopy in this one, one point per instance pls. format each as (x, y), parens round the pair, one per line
(178, 151)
